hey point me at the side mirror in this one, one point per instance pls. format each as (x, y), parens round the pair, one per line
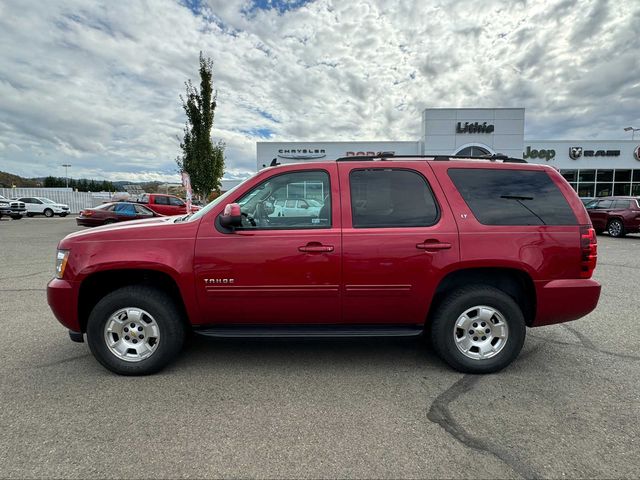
(231, 217)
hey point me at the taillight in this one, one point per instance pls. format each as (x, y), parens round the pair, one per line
(86, 213)
(589, 251)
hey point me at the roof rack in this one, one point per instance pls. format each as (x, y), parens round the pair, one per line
(439, 158)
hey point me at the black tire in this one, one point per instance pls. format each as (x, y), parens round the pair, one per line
(166, 314)
(109, 221)
(616, 228)
(16, 217)
(48, 212)
(599, 231)
(30, 215)
(458, 302)
(62, 215)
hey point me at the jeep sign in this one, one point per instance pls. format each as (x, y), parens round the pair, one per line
(542, 154)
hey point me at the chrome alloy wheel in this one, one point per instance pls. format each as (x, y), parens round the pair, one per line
(615, 228)
(481, 332)
(131, 334)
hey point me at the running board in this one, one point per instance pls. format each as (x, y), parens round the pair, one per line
(308, 331)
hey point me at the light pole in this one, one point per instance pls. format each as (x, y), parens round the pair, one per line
(66, 173)
(633, 131)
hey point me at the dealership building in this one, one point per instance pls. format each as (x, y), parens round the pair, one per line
(594, 168)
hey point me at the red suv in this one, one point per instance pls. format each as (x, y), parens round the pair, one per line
(468, 252)
(617, 215)
(165, 204)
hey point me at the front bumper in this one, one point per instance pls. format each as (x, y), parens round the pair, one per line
(62, 297)
(12, 212)
(565, 300)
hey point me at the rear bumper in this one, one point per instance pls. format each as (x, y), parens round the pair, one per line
(62, 297)
(565, 300)
(88, 222)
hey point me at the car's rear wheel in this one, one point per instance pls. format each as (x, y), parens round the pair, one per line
(135, 330)
(109, 221)
(478, 329)
(30, 215)
(616, 228)
(48, 212)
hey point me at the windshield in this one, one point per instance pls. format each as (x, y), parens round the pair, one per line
(46, 200)
(200, 213)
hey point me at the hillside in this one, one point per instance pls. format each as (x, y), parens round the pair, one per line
(8, 180)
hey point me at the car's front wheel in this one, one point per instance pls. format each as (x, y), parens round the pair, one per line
(16, 217)
(478, 329)
(135, 330)
(616, 228)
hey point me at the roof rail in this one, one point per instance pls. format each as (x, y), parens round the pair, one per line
(390, 155)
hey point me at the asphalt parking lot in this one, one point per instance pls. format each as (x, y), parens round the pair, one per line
(568, 407)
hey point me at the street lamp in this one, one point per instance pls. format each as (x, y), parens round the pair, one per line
(66, 172)
(633, 131)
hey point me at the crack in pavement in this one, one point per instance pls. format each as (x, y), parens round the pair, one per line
(64, 360)
(13, 277)
(585, 342)
(23, 289)
(626, 356)
(440, 414)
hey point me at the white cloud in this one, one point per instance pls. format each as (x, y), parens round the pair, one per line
(97, 84)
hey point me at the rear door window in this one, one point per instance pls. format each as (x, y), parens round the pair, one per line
(161, 200)
(386, 198)
(621, 205)
(512, 197)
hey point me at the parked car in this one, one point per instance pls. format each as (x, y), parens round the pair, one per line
(468, 253)
(617, 215)
(165, 204)
(114, 212)
(12, 208)
(296, 208)
(44, 206)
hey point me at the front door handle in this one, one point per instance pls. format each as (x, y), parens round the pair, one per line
(433, 245)
(316, 247)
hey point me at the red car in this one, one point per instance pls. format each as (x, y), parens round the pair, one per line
(469, 252)
(113, 212)
(166, 204)
(617, 215)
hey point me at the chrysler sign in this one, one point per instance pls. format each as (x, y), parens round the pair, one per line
(302, 153)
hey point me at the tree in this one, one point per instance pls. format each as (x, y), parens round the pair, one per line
(201, 158)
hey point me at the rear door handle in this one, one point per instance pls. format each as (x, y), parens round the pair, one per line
(315, 247)
(433, 245)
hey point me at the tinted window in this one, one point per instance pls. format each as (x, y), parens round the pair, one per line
(605, 204)
(512, 197)
(161, 200)
(621, 204)
(258, 209)
(124, 209)
(176, 202)
(391, 198)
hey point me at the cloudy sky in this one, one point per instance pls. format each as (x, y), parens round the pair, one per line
(96, 84)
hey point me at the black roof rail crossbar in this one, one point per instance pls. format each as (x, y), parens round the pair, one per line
(385, 156)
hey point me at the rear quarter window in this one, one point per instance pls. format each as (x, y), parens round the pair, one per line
(512, 197)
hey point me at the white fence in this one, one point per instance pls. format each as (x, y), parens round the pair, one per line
(76, 200)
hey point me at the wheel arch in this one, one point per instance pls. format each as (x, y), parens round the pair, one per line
(516, 283)
(98, 284)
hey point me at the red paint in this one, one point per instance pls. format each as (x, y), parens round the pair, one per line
(339, 274)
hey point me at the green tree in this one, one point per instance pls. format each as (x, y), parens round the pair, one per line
(201, 158)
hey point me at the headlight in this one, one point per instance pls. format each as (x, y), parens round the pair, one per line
(61, 262)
